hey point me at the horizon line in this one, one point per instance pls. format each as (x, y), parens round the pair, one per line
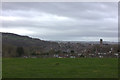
(62, 40)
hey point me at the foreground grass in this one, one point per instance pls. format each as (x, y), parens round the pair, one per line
(0, 67)
(60, 68)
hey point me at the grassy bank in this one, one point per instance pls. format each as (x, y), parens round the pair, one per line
(60, 68)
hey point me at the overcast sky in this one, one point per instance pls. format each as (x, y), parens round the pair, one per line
(66, 21)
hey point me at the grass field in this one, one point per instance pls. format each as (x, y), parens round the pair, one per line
(60, 68)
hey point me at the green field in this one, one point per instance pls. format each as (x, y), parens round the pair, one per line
(60, 68)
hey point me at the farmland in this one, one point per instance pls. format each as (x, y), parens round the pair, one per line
(60, 68)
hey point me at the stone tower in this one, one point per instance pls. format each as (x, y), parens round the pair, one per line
(101, 41)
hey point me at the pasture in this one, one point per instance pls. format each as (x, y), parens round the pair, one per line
(60, 68)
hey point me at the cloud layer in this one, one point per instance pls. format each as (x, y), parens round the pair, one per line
(70, 21)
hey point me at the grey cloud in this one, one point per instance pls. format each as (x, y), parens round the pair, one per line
(67, 9)
(84, 19)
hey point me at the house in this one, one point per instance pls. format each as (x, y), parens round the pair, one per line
(72, 56)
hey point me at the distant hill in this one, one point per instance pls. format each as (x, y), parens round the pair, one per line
(26, 41)
(18, 40)
(87, 42)
(11, 41)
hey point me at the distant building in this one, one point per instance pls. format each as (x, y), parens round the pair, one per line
(101, 41)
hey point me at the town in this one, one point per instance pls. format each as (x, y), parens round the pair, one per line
(77, 50)
(23, 46)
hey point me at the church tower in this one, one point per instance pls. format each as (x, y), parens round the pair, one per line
(101, 42)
